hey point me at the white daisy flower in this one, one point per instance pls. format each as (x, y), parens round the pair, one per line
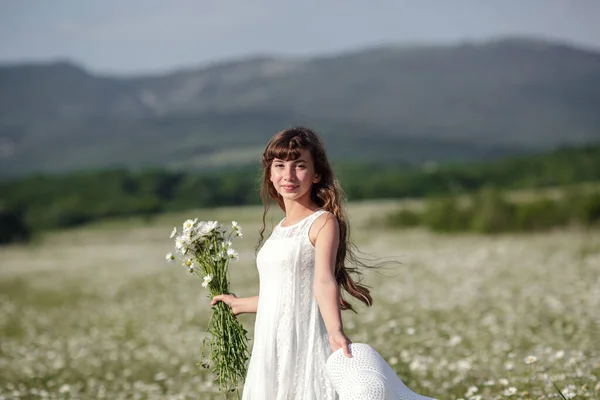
(182, 243)
(212, 225)
(189, 224)
(188, 263)
(530, 359)
(471, 391)
(570, 391)
(64, 388)
(231, 253)
(207, 280)
(207, 227)
(169, 257)
(510, 391)
(503, 381)
(237, 229)
(173, 233)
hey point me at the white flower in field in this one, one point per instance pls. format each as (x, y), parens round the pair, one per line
(490, 382)
(471, 391)
(476, 397)
(503, 381)
(173, 233)
(160, 376)
(231, 253)
(509, 366)
(207, 280)
(455, 341)
(417, 366)
(393, 360)
(64, 388)
(410, 331)
(169, 257)
(569, 392)
(559, 354)
(463, 365)
(510, 391)
(530, 359)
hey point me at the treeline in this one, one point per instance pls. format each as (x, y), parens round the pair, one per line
(489, 211)
(43, 202)
(49, 202)
(562, 167)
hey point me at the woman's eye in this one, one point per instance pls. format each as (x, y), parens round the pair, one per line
(278, 165)
(301, 166)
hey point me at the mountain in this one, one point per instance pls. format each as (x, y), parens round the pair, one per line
(390, 104)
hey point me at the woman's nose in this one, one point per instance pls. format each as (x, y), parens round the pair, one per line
(289, 173)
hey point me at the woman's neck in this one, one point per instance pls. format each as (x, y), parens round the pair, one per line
(295, 210)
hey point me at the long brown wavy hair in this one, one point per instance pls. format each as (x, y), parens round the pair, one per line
(327, 194)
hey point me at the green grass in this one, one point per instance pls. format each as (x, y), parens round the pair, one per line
(96, 312)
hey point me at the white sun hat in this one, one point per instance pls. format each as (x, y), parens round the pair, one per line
(366, 376)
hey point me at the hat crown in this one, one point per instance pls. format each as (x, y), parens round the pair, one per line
(366, 376)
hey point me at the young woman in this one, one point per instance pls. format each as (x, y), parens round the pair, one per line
(302, 269)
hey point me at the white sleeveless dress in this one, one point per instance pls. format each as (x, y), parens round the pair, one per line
(290, 339)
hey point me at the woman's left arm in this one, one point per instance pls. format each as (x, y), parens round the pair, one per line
(325, 286)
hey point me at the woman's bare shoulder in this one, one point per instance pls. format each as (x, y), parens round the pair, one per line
(326, 223)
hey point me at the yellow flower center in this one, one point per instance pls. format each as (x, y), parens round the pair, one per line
(188, 263)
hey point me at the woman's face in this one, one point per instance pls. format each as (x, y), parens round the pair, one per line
(293, 179)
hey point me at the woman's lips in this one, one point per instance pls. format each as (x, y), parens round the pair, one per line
(291, 187)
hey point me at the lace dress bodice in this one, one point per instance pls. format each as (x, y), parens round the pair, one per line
(290, 340)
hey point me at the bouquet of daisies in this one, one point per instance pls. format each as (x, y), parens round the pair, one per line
(205, 249)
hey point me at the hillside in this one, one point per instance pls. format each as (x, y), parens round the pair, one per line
(392, 104)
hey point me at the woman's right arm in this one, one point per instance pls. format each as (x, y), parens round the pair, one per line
(238, 305)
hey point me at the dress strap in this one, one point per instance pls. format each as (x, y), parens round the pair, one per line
(299, 229)
(310, 219)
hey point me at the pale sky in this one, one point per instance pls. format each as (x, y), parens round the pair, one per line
(148, 36)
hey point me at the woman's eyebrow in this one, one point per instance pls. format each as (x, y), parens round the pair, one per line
(297, 161)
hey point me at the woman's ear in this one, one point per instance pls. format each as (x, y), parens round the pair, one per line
(317, 178)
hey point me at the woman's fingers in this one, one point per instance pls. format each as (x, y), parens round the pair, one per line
(347, 350)
(345, 344)
(216, 299)
(225, 298)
